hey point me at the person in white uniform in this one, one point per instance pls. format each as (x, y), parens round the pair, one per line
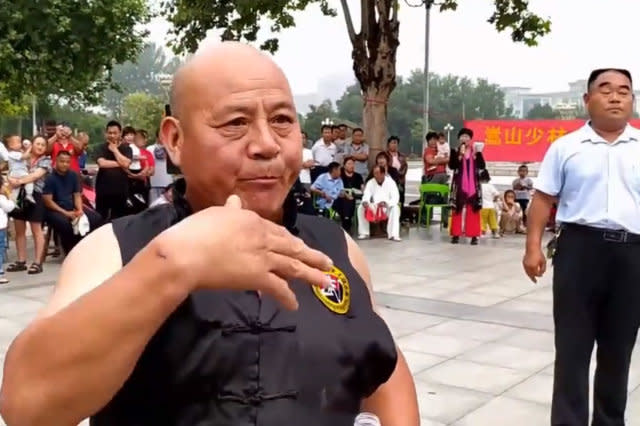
(380, 191)
(593, 174)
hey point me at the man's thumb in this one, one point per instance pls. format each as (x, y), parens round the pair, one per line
(234, 202)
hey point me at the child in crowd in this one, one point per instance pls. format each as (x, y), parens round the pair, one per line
(511, 217)
(6, 206)
(489, 214)
(444, 150)
(18, 166)
(522, 186)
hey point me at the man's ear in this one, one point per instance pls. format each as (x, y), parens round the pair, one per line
(172, 138)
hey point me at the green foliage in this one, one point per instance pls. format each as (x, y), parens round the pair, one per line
(9, 108)
(67, 48)
(514, 15)
(242, 19)
(238, 19)
(543, 112)
(142, 111)
(448, 94)
(139, 75)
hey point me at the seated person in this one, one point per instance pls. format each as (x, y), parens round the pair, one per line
(511, 215)
(382, 159)
(302, 196)
(352, 182)
(327, 187)
(62, 198)
(381, 191)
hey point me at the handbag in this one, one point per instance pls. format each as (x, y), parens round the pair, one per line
(379, 215)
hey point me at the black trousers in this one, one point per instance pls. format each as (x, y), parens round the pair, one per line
(62, 226)
(596, 299)
(111, 206)
(346, 209)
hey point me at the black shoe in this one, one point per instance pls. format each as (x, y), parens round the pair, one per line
(455, 240)
(474, 241)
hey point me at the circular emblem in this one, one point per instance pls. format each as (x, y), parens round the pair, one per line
(337, 296)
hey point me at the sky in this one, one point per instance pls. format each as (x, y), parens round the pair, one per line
(586, 34)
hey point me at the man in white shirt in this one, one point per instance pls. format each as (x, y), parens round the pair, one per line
(593, 174)
(381, 191)
(307, 164)
(324, 153)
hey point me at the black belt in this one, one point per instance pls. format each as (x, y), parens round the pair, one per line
(611, 235)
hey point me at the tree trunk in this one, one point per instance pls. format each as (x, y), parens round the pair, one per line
(374, 117)
(374, 64)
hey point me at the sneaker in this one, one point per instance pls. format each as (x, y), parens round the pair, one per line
(474, 241)
(363, 237)
(495, 235)
(395, 239)
(455, 240)
(3, 279)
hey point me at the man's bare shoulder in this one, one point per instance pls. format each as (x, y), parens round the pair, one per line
(91, 262)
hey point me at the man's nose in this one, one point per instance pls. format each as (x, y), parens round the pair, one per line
(263, 143)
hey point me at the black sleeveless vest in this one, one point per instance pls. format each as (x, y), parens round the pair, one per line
(230, 358)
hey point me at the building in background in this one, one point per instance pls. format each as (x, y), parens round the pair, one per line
(568, 103)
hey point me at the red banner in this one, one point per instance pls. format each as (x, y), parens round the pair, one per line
(521, 140)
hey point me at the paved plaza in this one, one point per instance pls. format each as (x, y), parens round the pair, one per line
(477, 334)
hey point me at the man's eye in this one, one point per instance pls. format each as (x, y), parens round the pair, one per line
(282, 119)
(237, 122)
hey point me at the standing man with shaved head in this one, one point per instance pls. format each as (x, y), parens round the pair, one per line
(594, 176)
(223, 307)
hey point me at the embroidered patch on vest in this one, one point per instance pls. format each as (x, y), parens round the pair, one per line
(336, 297)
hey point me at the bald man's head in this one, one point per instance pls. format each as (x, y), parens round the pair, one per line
(216, 63)
(234, 129)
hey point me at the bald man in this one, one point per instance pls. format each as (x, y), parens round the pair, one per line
(224, 307)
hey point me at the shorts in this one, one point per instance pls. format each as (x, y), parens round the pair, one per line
(33, 212)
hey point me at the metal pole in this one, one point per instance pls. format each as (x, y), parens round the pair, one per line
(427, 4)
(34, 127)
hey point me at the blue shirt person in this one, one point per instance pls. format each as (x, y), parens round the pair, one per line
(328, 186)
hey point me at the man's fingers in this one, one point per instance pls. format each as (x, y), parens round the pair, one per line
(288, 268)
(282, 242)
(543, 268)
(278, 288)
(234, 202)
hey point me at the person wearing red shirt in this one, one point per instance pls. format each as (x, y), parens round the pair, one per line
(63, 140)
(435, 168)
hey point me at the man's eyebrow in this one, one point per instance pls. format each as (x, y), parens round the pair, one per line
(234, 107)
(281, 104)
(609, 84)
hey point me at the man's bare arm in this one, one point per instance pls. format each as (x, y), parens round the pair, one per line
(93, 332)
(398, 394)
(537, 218)
(123, 160)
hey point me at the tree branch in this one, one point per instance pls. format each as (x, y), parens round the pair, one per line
(347, 18)
(365, 24)
(394, 11)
